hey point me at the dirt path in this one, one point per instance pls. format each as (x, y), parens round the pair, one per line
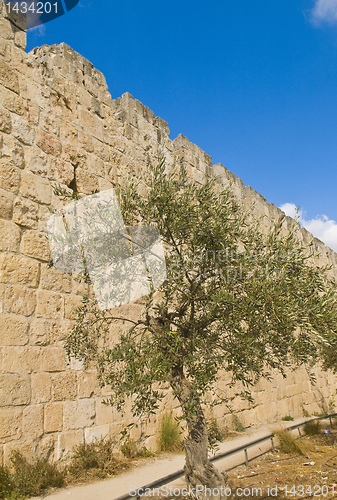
(150, 469)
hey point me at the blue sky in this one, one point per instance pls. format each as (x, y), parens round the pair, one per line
(254, 84)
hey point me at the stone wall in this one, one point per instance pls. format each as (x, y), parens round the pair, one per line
(58, 124)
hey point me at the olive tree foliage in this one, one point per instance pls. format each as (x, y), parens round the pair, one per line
(235, 299)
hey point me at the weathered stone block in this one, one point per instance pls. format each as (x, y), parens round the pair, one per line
(86, 181)
(49, 305)
(21, 359)
(53, 417)
(96, 433)
(67, 442)
(52, 279)
(78, 414)
(104, 413)
(6, 204)
(13, 330)
(5, 121)
(61, 171)
(59, 330)
(53, 359)
(36, 161)
(35, 244)
(23, 131)
(87, 384)
(26, 447)
(25, 213)
(48, 143)
(41, 388)
(91, 124)
(9, 77)
(32, 422)
(39, 331)
(6, 30)
(14, 389)
(16, 269)
(64, 386)
(35, 188)
(19, 300)
(10, 236)
(12, 152)
(11, 423)
(71, 303)
(9, 176)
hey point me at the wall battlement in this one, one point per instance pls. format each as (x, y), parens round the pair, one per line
(58, 124)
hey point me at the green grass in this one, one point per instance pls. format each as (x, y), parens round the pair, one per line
(288, 418)
(169, 434)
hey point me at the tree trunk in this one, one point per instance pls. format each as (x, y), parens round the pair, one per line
(200, 473)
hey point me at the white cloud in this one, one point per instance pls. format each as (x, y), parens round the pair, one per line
(39, 30)
(322, 227)
(325, 10)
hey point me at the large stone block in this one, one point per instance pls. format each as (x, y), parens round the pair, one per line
(13, 330)
(53, 359)
(35, 244)
(10, 236)
(9, 77)
(5, 121)
(6, 204)
(61, 171)
(36, 161)
(87, 384)
(104, 413)
(48, 143)
(54, 280)
(32, 421)
(41, 388)
(23, 131)
(39, 332)
(96, 433)
(49, 305)
(86, 181)
(14, 389)
(53, 417)
(64, 386)
(19, 300)
(11, 423)
(36, 188)
(13, 152)
(21, 359)
(25, 213)
(16, 269)
(91, 124)
(71, 303)
(9, 176)
(78, 414)
(67, 442)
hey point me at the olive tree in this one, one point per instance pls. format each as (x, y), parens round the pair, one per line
(236, 298)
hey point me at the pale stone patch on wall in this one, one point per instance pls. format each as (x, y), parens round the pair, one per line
(16, 269)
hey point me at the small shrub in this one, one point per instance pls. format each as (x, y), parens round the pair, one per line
(6, 485)
(32, 479)
(169, 434)
(144, 452)
(312, 428)
(237, 424)
(288, 418)
(95, 459)
(129, 448)
(288, 444)
(305, 412)
(214, 435)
